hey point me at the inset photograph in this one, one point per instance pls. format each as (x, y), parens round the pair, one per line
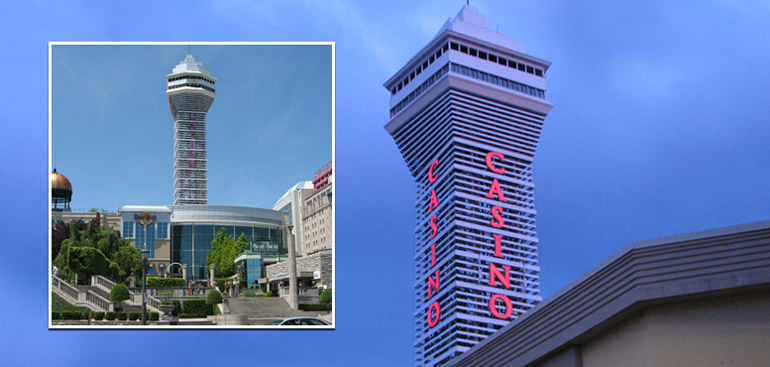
(191, 185)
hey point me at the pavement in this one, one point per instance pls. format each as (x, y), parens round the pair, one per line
(262, 310)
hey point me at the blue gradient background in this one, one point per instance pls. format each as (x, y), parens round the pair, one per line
(660, 126)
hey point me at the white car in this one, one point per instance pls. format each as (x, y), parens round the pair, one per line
(306, 321)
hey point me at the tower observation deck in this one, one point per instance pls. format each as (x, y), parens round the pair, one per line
(191, 91)
(466, 114)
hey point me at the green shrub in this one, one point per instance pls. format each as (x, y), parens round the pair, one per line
(153, 316)
(326, 296)
(98, 315)
(110, 315)
(197, 307)
(55, 315)
(177, 305)
(316, 307)
(122, 316)
(133, 316)
(158, 282)
(214, 297)
(119, 293)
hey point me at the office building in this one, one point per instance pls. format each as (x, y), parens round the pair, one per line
(317, 213)
(292, 202)
(191, 91)
(466, 114)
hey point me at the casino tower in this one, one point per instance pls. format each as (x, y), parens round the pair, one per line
(190, 92)
(466, 114)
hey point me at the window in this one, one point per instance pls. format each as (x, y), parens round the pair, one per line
(128, 229)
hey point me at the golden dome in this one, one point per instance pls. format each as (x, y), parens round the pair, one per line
(60, 185)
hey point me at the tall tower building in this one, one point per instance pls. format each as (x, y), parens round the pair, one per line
(190, 92)
(466, 113)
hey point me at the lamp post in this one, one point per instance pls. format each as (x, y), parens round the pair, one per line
(293, 301)
(145, 255)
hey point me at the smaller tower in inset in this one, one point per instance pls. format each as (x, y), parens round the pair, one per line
(61, 192)
(191, 91)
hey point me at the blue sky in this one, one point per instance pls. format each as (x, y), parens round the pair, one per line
(269, 128)
(659, 127)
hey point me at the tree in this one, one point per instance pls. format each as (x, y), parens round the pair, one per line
(86, 261)
(119, 293)
(128, 259)
(78, 234)
(62, 231)
(224, 250)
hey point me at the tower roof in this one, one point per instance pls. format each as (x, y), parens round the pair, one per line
(470, 22)
(60, 184)
(189, 65)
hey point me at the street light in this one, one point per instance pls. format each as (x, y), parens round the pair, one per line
(145, 255)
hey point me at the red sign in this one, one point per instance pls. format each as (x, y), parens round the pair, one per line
(434, 310)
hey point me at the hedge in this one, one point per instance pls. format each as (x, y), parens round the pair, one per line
(55, 315)
(110, 315)
(134, 315)
(190, 316)
(98, 315)
(197, 307)
(316, 307)
(153, 316)
(158, 282)
(73, 315)
(122, 316)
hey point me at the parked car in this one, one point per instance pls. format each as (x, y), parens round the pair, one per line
(307, 321)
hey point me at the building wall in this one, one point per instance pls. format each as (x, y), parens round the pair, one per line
(293, 202)
(319, 261)
(719, 331)
(317, 222)
(113, 219)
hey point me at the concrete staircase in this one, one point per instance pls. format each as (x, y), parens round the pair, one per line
(97, 295)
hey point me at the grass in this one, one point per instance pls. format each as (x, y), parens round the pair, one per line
(60, 304)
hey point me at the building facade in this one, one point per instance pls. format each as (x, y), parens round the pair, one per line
(466, 114)
(191, 91)
(182, 235)
(317, 213)
(292, 202)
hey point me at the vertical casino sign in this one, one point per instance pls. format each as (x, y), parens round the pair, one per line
(498, 221)
(434, 310)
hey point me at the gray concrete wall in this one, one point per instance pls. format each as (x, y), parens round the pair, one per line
(725, 331)
(319, 261)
